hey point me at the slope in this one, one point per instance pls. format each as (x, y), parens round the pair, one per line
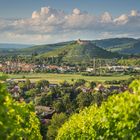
(114, 42)
(75, 52)
(130, 48)
(42, 48)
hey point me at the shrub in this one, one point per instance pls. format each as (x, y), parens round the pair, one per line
(17, 120)
(117, 118)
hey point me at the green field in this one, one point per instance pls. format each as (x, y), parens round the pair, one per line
(57, 78)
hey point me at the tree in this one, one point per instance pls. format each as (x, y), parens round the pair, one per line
(59, 106)
(42, 83)
(92, 85)
(80, 82)
(4, 77)
(31, 93)
(117, 118)
(17, 120)
(84, 100)
(56, 122)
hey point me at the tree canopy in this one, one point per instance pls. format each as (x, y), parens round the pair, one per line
(17, 119)
(117, 118)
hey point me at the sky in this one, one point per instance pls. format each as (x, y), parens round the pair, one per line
(51, 21)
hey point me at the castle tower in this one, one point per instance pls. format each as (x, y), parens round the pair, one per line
(83, 42)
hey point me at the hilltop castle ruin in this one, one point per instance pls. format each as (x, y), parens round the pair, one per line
(83, 42)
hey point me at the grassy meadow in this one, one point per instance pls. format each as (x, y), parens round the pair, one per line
(57, 78)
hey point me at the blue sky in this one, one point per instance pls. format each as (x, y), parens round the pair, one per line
(23, 8)
(23, 21)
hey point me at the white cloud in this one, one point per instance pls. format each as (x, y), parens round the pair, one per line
(134, 13)
(35, 15)
(121, 20)
(51, 25)
(106, 17)
(76, 11)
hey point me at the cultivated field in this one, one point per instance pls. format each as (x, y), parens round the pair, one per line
(57, 78)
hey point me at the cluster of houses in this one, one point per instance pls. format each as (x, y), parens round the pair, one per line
(12, 67)
(57, 68)
(122, 68)
(116, 68)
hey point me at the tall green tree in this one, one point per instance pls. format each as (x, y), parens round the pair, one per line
(56, 122)
(17, 120)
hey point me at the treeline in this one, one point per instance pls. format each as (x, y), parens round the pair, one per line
(129, 62)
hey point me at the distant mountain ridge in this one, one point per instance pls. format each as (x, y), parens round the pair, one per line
(115, 45)
(14, 46)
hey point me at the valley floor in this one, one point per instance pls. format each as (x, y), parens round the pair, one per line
(57, 78)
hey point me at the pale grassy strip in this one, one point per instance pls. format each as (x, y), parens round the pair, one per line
(57, 78)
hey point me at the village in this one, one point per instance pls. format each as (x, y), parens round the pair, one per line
(17, 67)
(22, 67)
(44, 94)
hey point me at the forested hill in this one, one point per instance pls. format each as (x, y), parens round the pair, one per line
(130, 48)
(120, 45)
(80, 52)
(43, 48)
(113, 42)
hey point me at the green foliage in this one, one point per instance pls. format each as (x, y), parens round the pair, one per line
(92, 85)
(75, 53)
(42, 83)
(80, 82)
(59, 106)
(3, 77)
(31, 93)
(17, 120)
(56, 122)
(84, 100)
(117, 118)
(129, 62)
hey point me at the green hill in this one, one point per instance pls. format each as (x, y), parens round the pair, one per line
(78, 52)
(42, 48)
(114, 42)
(130, 48)
(120, 45)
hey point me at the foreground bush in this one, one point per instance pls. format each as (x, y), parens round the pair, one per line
(17, 120)
(118, 118)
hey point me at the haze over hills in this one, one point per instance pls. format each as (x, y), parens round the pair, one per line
(14, 46)
(11, 48)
